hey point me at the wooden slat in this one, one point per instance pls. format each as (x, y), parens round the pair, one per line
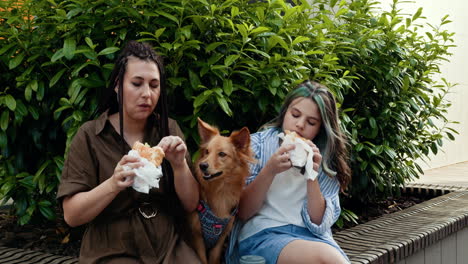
(17, 256)
(394, 237)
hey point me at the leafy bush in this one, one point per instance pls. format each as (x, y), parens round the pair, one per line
(230, 62)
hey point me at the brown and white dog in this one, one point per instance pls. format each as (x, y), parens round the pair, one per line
(220, 170)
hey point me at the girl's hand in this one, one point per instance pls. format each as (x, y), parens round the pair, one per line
(121, 178)
(317, 159)
(280, 161)
(174, 149)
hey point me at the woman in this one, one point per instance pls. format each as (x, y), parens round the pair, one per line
(288, 217)
(124, 226)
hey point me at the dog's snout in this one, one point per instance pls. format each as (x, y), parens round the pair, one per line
(203, 166)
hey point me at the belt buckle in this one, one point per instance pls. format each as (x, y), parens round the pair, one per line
(147, 216)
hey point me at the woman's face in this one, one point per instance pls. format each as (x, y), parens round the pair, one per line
(141, 86)
(303, 117)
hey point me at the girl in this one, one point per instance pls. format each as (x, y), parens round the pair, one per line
(124, 226)
(288, 218)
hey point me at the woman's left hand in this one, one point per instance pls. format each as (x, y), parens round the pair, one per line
(317, 159)
(174, 149)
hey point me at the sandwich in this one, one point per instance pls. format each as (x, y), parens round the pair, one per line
(293, 135)
(154, 154)
(301, 156)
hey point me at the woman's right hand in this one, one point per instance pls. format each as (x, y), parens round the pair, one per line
(280, 161)
(121, 178)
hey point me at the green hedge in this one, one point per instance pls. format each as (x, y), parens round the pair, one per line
(229, 62)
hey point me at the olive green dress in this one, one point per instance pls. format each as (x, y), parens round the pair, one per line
(121, 233)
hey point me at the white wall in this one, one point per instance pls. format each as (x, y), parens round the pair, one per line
(455, 71)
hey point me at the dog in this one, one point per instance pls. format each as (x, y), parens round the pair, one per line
(221, 170)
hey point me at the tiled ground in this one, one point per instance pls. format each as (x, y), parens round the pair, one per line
(452, 175)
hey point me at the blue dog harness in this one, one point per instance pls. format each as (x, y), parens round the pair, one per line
(212, 226)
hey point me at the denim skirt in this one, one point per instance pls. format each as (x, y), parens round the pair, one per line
(269, 242)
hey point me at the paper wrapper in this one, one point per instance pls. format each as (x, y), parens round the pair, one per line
(301, 156)
(147, 176)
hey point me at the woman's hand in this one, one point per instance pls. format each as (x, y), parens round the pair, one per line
(174, 149)
(121, 178)
(280, 161)
(317, 158)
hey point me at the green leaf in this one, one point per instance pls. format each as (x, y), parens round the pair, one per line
(41, 170)
(5, 118)
(16, 61)
(230, 60)
(200, 99)
(234, 11)
(108, 50)
(24, 219)
(264, 54)
(10, 102)
(278, 39)
(47, 212)
(313, 52)
(224, 105)
(242, 30)
(21, 108)
(434, 148)
(56, 77)
(59, 111)
(227, 86)
(57, 55)
(28, 93)
(275, 82)
(213, 46)
(78, 115)
(6, 48)
(194, 80)
(32, 85)
(44, 203)
(359, 147)
(40, 91)
(159, 32)
(34, 112)
(69, 47)
(372, 123)
(300, 39)
(450, 136)
(76, 71)
(417, 14)
(26, 181)
(259, 30)
(90, 43)
(167, 15)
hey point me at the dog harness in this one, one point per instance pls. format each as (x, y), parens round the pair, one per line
(212, 226)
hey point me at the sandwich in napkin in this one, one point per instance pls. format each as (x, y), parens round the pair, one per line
(301, 156)
(147, 176)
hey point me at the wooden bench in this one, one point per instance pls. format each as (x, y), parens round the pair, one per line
(17, 256)
(434, 231)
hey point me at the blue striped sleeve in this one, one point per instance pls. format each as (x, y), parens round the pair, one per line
(256, 145)
(330, 190)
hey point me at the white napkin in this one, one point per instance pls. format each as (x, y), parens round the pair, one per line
(147, 176)
(300, 156)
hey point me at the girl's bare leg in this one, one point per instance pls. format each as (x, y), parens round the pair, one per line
(304, 251)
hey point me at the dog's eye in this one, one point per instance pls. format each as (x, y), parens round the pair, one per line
(206, 152)
(222, 154)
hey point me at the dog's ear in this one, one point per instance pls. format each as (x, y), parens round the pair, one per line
(206, 131)
(241, 139)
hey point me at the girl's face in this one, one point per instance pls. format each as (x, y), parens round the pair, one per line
(141, 87)
(303, 117)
